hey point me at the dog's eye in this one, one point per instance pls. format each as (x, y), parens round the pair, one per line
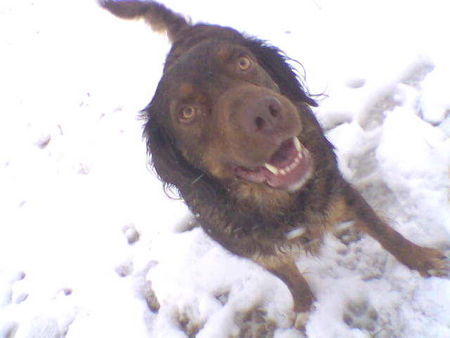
(244, 63)
(187, 114)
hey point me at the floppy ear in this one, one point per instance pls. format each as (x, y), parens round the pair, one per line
(274, 61)
(168, 164)
(176, 173)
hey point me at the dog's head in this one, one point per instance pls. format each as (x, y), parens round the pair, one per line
(230, 112)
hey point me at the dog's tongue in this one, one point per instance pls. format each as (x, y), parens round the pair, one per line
(289, 168)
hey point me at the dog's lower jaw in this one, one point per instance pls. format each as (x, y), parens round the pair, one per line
(298, 185)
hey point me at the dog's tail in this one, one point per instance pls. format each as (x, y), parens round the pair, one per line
(159, 17)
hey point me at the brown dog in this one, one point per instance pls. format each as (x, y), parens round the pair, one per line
(230, 127)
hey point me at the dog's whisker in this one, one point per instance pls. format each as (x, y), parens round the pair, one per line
(198, 178)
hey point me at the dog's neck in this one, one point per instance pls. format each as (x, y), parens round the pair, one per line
(247, 217)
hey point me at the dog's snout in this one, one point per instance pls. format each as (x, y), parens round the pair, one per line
(262, 114)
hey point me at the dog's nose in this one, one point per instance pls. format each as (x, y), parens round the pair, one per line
(261, 114)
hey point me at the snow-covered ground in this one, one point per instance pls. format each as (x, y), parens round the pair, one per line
(91, 247)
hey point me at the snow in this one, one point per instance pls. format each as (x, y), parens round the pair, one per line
(90, 246)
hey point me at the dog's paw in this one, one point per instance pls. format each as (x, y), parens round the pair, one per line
(428, 262)
(361, 315)
(300, 320)
(437, 264)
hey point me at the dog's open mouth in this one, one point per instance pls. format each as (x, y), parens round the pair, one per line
(289, 168)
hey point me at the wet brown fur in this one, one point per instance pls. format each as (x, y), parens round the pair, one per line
(249, 219)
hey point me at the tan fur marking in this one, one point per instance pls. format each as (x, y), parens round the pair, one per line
(186, 90)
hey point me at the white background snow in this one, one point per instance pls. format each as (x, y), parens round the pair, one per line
(75, 184)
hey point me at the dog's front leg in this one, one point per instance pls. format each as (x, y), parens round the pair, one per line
(286, 270)
(427, 261)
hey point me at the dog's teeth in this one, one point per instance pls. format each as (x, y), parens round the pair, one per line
(297, 144)
(271, 168)
(283, 172)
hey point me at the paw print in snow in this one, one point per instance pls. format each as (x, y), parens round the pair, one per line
(361, 315)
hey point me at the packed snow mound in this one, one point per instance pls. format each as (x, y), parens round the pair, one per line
(90, 246)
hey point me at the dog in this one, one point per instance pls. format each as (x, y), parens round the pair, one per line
(231, 128)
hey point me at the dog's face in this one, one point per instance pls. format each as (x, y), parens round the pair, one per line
(228, 117)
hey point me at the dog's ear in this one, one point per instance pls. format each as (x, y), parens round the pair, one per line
(179, 177)
(275, 62)
(165, 159)
(159, 17)
(176, 173)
